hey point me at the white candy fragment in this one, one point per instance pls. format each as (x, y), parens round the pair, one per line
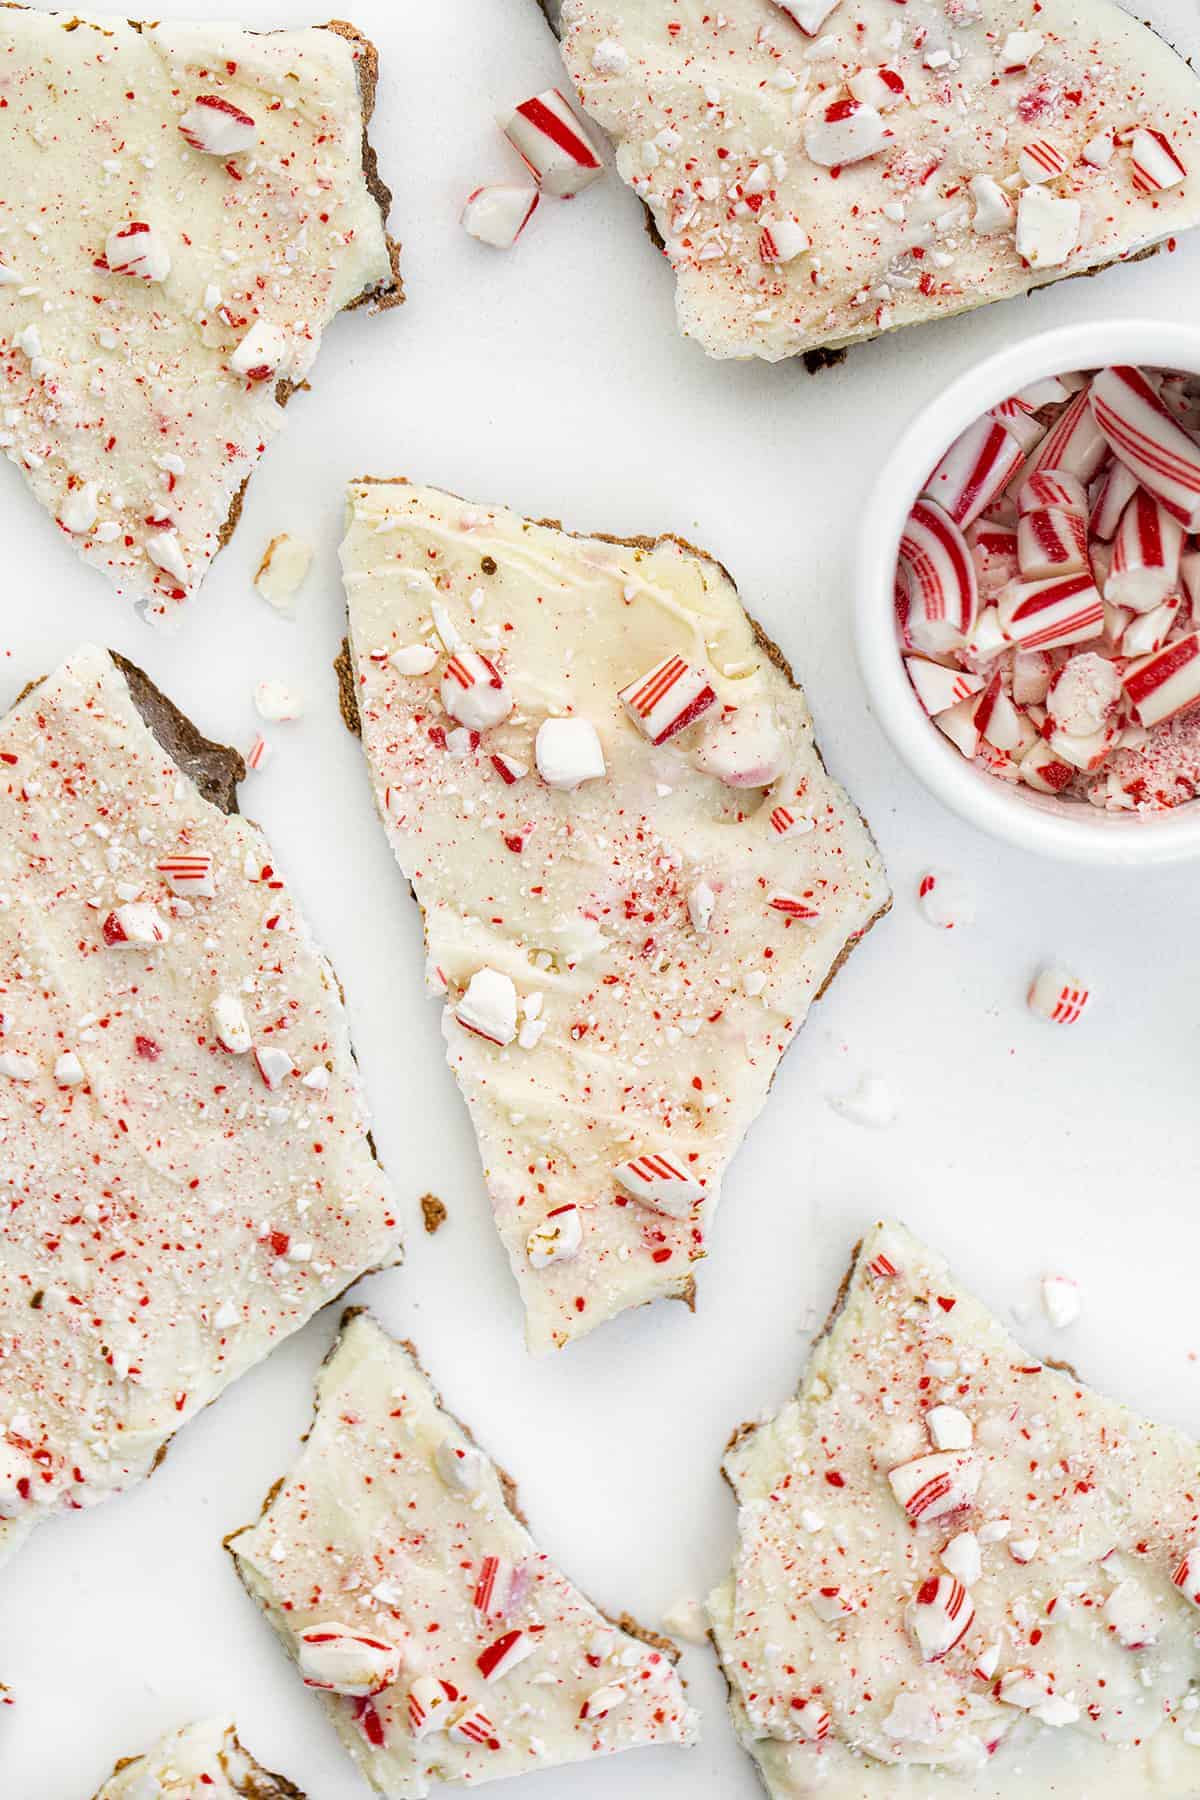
(1084, 694)
(701, 903)
(747, 748)
(659, 1183)
(1134, 1617)
(69, 1071)
(963, 1557)
(809, 15)
(80, 509)
(137, 249)
(166, 552)
(846, 132)
(17, 1066)
(275, 701)
(1047, 228)
(473, 691)
(341, 1660)
(461, 1466)
(929, 1487)
(489, 1006)
(949, 1428)
(557, 1239)
(869, 1104)
(497, 215)
(1024, 1688)
(274, 1065)
(217, 127)
(668, 698)
(941, 1614)
(604, 1700)
(413, 659)
(1019, 49)
(1057, 995)
(1060, 1300)
(265, 353)
(1186, 1576)
(688, 1620)
(568, 752)
(610, 58)
(881, 88)
(229, 1024)
(283, 569)
(135, 926)
(502, 1657)
(782, 240)
(945, 900)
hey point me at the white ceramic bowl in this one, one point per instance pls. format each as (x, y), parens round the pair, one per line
(1071, 830)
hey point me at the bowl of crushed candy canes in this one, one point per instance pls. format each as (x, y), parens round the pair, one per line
(1028, 594)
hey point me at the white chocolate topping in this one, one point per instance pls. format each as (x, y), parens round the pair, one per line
(199, 1762)
(893, 142)
(504, 1665)
(126, 398)
(662, 926)
(169, 1218)
(1014, 1617)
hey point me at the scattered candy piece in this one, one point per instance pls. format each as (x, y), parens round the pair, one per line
(135, 926)
(945, 900)
(137, 249)
(568, 752)
(669, 698)
(497, 215)
(846, 132)
(941, 1614)
(217, 127)
(283, 569)
(869, 1103)
(489, 1006)
(473, 691)
(1060, 1300)
(659, 1183)
(942, 583)
(1057, 996)
(342, 1660)
(553, 144)
(1047, 228)
(275, 701)
(557, 1239)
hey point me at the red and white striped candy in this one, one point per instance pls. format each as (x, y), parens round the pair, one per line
(1147, 632)
(786, 823)
(846, 132)
(429, 1703)
(497, 215)
(488, 1007)
(508, 768)
(1052, 490)
(502, 1657)
(1145, 559)
(1159, 686)
(475, 1727)
(942, 586)
(274, 1065)
(996, 718)
(1051, 543)
(1017, 416)
(994, 550)
(668, 698)
(1045, 772)
(1144, 435)
(551, 141)
(1084, 751)
(188, 874)
(1040, 615)
(257, 754)
(473, 691)
(604, 1700)
(939, 688)
(1189, 571)
(557, 1239)
(1057, 996)
(793, 906)
(1153, 163)
(958, 724)
(1187, 1574)
(1041, 161)
(341, 1660)
(810, 1719)
(782, 240)
(659, 1183)
(134, 926)
(880, 88)
(1113, 494)
(1075, 443)
(932, 1486)
(940, 1616)
(137, 249)
(978, 466)
(218, 127)
(498, 1587)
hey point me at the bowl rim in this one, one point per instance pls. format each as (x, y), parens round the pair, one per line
(1068, 831)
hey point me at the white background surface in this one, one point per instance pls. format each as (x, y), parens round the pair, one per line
(553, 380)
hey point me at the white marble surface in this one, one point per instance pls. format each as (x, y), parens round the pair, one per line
(553, 381)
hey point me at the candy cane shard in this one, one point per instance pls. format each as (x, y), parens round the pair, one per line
(203, 1759)
(942, 585)
(464, 1690)
(925, 169)
(925, 1680)
(137, 407)
(189, 977)
(700, 832)
(1144, 434)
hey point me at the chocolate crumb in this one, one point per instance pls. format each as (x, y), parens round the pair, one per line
(433, 1212)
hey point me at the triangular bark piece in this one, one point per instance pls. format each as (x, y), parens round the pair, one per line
(624, 960)
(819, 172)
(187, 1174)
(959, 1571)
(396, 1567)
(198, 1760)
(187, 208)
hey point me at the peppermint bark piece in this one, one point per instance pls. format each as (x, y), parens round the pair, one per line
(395, 1565)
(155, 317)
(820, 172)
(959, 1571)
(635, 873)
(198, 1760)
(187, 1173)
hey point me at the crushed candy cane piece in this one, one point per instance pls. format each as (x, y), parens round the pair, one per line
(931, 1487)
(1047, 228)
(215, 126)
(283, 569)
(940, 1616)
(342, 1660)
(1060, 1300)
(275, 701)
(135, 926)
(473, 691)
(1153, 161)
(747, 748)
(230, 1024)
(273, 1064)
(139, 250)
(976, 468)
(488, 1007)
(667, 699)
(557, 1239)
(942, 583)
(869, 1103)
(190, 874)
(1057, 996)
(553, 144)
(945, 900)
(847, 131)
(497, 215)
(505, 1654)
(659, 1183)
(568, 752)
(1141, 430)
(1159, 686)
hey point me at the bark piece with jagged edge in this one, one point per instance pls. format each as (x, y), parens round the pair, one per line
(203, 1759)
(397, 1568)
(657, 932)
(783, 244)
(959, 1571)
(155, 317)
(188, 1172)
